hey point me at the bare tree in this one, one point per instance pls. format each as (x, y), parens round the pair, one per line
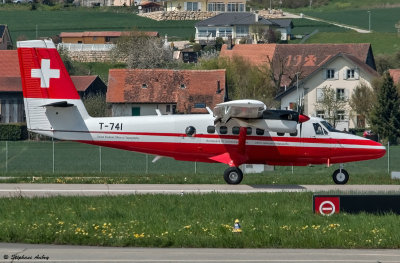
(362, 100)
(331, 104)
(141, 51)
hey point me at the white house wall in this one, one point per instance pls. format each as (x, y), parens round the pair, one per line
(145, 109)
(318, 81)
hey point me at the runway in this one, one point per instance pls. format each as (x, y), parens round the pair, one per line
(57, 253)
(49, 190)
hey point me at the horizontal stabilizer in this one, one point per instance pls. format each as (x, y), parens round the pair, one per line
(60, 104)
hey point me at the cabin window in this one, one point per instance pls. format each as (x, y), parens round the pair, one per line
(280, 133)
(236, 130)
(249, 130)
(318, 129)
(293, 133)
(211, 129)
(259, 131)
(223, 130)
(190, 131)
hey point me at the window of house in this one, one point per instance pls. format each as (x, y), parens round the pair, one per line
(340, 115)
(211, 129)
(235, 7)
(242, 31)
(340, 94)
(320, 95)
(330, 73)
(183, 86)
(168, 108)
(224, 32)
(108, 39)
(199, 105)
(216, 7)
(223, 130)
(320, 114)
(191, 6)
(144, 86)
(350, 73)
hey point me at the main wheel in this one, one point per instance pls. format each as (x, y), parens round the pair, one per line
(233, 175)
(340, 176)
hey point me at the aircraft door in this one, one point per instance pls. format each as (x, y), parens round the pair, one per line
(315, 142)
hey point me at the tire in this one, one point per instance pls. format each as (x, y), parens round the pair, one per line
(233, 175)
(340, 176)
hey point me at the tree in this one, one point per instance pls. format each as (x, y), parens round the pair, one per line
(331, 103)
(141, 51)
(362, 101)
(96, 105)
(385, 116)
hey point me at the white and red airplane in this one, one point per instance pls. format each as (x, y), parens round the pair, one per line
(238, 132)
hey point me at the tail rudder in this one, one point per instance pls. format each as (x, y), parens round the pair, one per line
(47, 89)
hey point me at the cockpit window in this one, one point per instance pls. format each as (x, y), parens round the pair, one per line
(318, 129)
(328, 126)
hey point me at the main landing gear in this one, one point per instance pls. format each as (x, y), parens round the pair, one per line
(340, 176)
(233, 175)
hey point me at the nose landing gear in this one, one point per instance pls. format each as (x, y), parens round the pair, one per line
(340, 176)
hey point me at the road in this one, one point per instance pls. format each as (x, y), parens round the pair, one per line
(48, 190)
(57, 253)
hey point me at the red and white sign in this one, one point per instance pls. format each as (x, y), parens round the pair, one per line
(327, 205)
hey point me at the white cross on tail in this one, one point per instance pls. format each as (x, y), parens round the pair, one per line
(45, 73)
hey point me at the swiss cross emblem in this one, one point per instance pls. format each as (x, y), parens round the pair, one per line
(45, 73)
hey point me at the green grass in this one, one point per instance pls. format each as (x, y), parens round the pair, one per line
(304, 26)
(382, 19)
(382, 43)
(22, 23)
(281, 220)
(80, 163)
(334, 5)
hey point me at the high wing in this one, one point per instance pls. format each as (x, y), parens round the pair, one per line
(254, 113)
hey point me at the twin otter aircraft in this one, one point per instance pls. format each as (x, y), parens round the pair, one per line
(238, 132)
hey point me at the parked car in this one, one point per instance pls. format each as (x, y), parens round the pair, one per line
(22, 1)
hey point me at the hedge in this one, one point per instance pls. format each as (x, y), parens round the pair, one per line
(13, 132)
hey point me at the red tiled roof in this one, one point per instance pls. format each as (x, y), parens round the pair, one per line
(105, 33)
(9, 64)
(164, 86)
(395, 73)
(255, 54)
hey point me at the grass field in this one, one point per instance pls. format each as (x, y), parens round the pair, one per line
(304, 26)
(79, 163)
(281, 220)
(22, 23)
(382, 19)
(382, 43)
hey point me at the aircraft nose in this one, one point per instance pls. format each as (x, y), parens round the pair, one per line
(378, 150)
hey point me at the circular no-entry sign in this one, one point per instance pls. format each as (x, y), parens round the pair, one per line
(327, 208)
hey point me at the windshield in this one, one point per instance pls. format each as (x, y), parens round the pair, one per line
(328, 126)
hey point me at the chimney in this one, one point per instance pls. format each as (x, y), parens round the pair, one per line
(256, 17)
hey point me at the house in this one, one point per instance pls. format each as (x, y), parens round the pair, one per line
(395, 74)
(211, 5)
(11, 99)
(239, 26)
(99, 37)
(306, 68)
(141, 91)
(5, 38)
(147, 7)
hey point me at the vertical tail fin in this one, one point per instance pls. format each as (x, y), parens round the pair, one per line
(47, 87)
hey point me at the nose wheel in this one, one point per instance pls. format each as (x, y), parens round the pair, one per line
(233, 175)
(340, 176)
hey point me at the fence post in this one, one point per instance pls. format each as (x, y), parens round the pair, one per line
(100, 157)
(388, 151)
(195, 167)
(6, 156)
(147, 163)
(52, 140)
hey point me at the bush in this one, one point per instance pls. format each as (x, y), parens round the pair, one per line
(13, 132)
